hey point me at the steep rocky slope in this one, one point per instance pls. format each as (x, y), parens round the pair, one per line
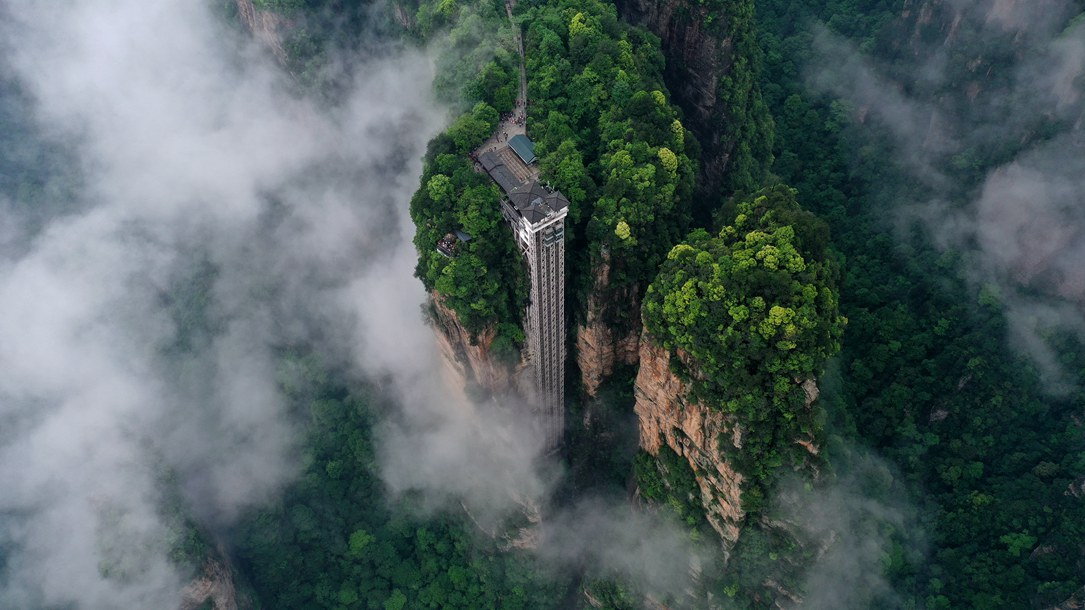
(737, 327)
(668, 416)
(214, 588)
(713, 61)
(471, 359)
(266, 26)
(702, 434)
(599, 346)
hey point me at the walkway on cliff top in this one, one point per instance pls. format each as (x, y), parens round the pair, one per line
(515, 122)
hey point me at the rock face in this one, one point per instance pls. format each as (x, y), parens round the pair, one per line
(470, 359)
(267, 27)
(215, 584)
(669, 416)
(697, 60)
(402, 16)
(598, 347)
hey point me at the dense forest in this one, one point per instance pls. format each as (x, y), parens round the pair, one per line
(605, 135)
(926, 377)
(337, 540)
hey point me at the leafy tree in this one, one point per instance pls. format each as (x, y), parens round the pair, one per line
(753, 312)
(607, 135)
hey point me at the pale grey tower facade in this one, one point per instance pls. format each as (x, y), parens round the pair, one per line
(537, 215)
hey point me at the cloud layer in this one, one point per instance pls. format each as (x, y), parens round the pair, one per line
(201, 173)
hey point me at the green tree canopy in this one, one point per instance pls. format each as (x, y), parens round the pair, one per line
(754, 311)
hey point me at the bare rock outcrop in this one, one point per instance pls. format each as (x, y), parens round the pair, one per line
(215, 583)
(598, 351)
(402, 16)
(267, 27)
(668, 415)
(598, 347)
(471, 359)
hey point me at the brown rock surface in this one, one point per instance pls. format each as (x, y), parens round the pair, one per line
(216, 583)
(668, 416)
(267, 27)
(470, 358)
(598, 347)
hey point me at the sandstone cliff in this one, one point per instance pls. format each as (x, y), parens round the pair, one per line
(470, 359)
(712, 63)
(703, 435)
(598, 347)
(667, 415)
(215, 584)
(697, 53)
(267, 27)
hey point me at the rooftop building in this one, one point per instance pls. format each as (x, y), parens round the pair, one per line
(449, 244)
(523, 147)
(503, 173)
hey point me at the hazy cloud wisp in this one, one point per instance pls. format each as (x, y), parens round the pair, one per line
(1022, 232)
(193, 151)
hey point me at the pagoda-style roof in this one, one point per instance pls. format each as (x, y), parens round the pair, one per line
(535, 202)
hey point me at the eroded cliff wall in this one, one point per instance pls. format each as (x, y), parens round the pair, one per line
(471, 359)
(698, 56)
(668, 416)
(599, 347)
(267, 27)
(214, 588)
(713, 64)
(703, 435)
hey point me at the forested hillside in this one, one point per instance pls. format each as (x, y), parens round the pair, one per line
(605, 135)
(609, 137)
(926, 377)
(754, 312)
(713, 68)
